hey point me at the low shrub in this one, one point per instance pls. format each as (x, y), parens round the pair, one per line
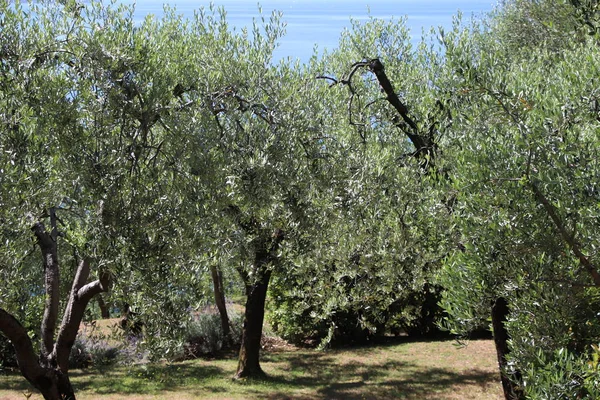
(205, 337)
(103, 354)
(79, 357)
(87, 351)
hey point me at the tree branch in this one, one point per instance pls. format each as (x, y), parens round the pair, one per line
(564, 233)
(333, 80)
(422, 146)
(47, 244)
(26, 357)
(79, 298)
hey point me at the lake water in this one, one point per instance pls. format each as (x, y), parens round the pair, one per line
(320, 22)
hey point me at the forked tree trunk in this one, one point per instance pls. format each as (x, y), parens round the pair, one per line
(48, 371)
(50, 380)
(499, 317)
(217, 278)
(47, 243)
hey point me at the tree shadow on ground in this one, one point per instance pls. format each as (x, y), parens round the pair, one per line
(354, 380)
(391, 341)
(13, 380)
(299, 375)
(123, 380)
(145, 379)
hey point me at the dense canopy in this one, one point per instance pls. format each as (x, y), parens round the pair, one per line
(380, 188)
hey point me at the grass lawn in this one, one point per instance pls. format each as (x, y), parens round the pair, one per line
(434, 370)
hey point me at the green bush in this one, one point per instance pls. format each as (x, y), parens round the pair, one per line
(80, 356)
(356, 316)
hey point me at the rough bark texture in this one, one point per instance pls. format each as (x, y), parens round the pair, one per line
(499, 318)
(28, 361)
(81, 294)
(217, 278)
(47, 243)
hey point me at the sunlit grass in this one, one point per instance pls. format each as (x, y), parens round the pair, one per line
(401, 370)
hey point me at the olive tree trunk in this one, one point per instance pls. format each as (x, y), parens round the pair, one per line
(48, 371)
(257, 283)
(254, 316)
(104, 310)
(499, 317)
(217, 278)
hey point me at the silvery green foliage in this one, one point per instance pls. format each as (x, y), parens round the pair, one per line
(387, 230)
(141, 136)
(524, 150)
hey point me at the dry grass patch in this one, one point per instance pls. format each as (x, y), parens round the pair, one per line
(424, 370)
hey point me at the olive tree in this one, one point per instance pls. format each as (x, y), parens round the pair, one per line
(387, 236)
(89, 166)
(524, 158)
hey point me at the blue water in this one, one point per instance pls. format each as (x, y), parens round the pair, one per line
(321, 22)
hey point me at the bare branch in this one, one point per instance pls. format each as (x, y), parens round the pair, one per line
(87, 292)
(26, 357)
(79, 298)
(333, 80)
(424, 144)
(353, 69)
(47, 244)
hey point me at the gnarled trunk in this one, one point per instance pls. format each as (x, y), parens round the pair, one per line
(50, 380)
(499, 317)
(47, 243)
(48, 371)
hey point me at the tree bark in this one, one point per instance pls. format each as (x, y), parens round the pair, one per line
(568, 237)
(81, 294)
(256, 291)
(499, 317)
(28, 361)
(217, 278)
(47, 243)
(48, 372)
(254, 315)
(423, 141)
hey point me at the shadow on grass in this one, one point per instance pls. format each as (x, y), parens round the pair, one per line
(145, 379)
(133, 380)
(392, 379)
(299, 375)
(13, 380)
(391, 341)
